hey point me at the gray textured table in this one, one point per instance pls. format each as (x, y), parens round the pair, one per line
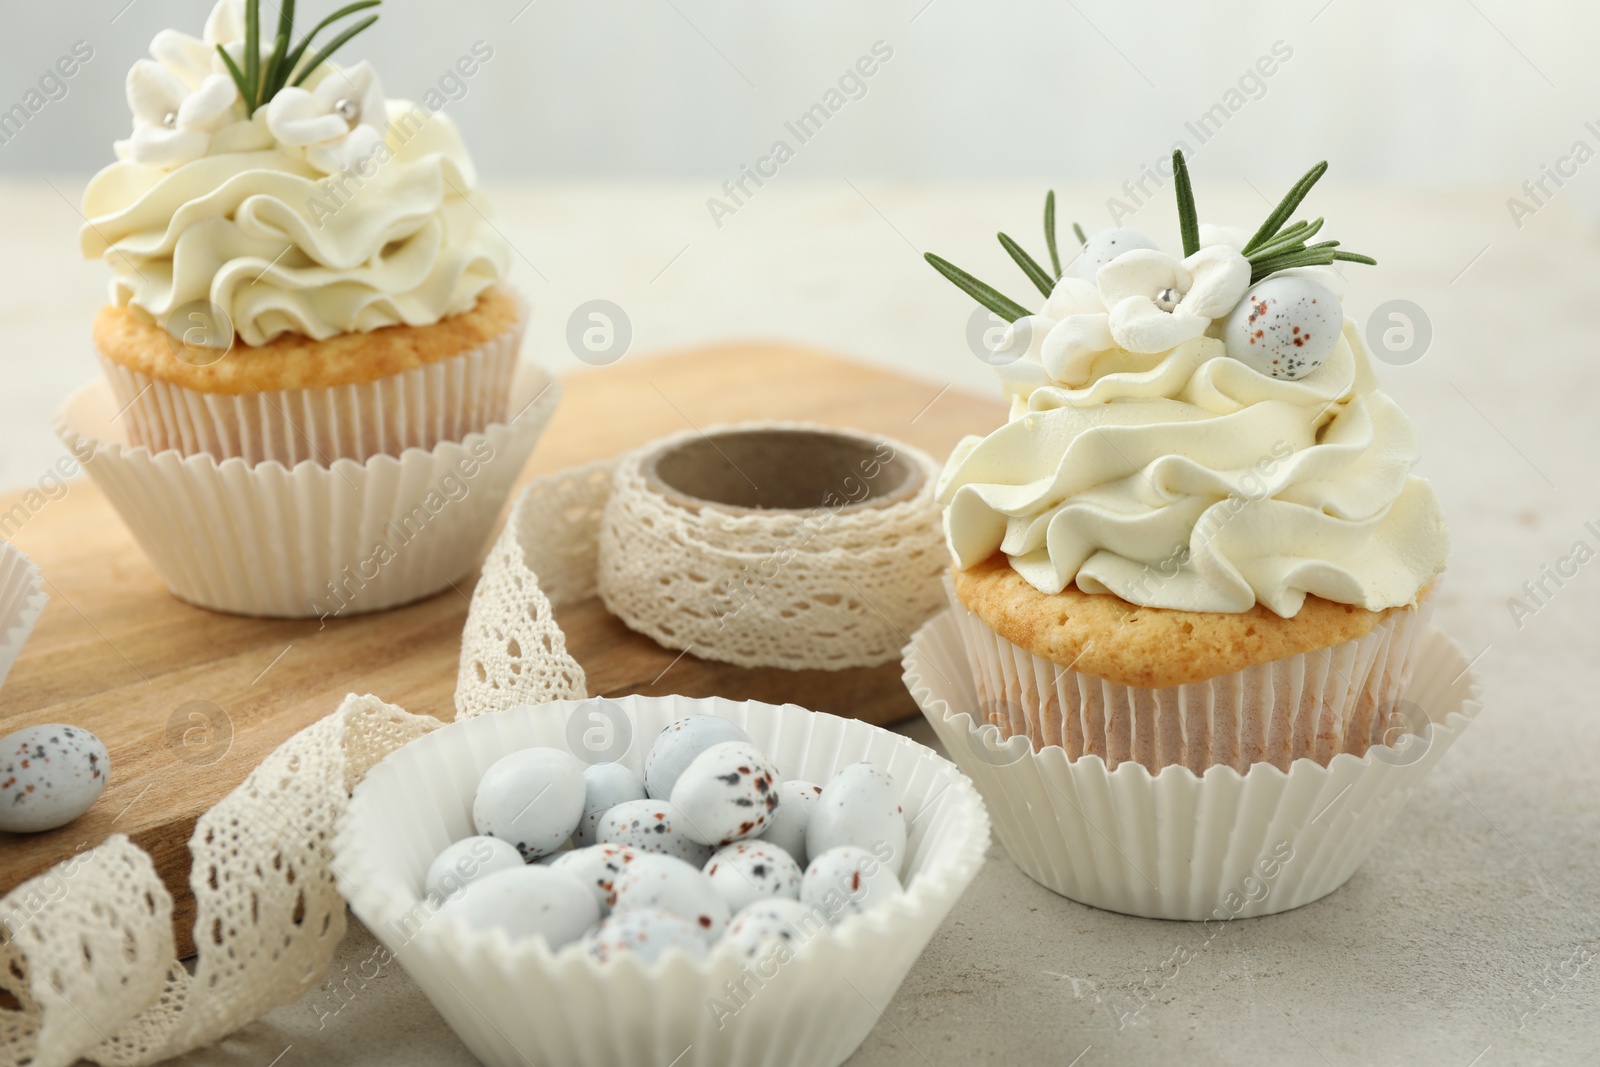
(1462, 941)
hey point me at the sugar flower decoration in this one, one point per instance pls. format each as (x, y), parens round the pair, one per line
(340, 123)
(172, 121)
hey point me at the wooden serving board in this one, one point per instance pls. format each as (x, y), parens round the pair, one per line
(115, 653)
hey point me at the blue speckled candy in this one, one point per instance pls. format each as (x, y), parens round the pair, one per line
(671, 885)
(528, 901)
(787, 827)
(605, 786)
(860, 807)
(677, 746)
(747, 871)
(647, 934)
(596, 867)
(469, 860)
(651, 826)
(845, 880)
(49, 775)
(1284, 327)
(759, 928)
(727, 794)
(532, 798)
(1105, 245)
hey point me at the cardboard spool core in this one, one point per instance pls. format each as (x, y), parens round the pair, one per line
(775, 469)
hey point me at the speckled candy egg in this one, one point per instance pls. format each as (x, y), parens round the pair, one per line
(597, 867)
(605, 786)
(860, 807)
(759, 928)
(787, 827)
(747, 871)
(845, 880)
(1284, 327)
(647, 934)
(1105, 245)
(530, 901)
(532, 798)
(671, 885)
(468, 861)
(49, 775)
(651, 826)
(677, 746)
(727, 794)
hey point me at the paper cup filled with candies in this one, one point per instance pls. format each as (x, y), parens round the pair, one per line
(659, 880)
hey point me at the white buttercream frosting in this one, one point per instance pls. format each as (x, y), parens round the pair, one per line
(1184, 479)
(329, 211)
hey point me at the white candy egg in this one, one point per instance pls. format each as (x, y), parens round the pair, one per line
(759, 928)
(468, 861)
(860, 807)
(845, 880)
(532, 798)
(606, 785)
(677, 746)
(1284, 327)
(727, 794)
(596, 867)
(647, 933)
(748, 871)
(651, 826)
(787, 826)
(671, 885)
(1105, 245)
(531, 901)
(49, 775)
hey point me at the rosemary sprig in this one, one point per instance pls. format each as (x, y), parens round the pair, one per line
(258, 84)
(1188, 218)
(983, 293)
(1077, 230)
(1286, 206)
(1050, 232)
(1036, 274)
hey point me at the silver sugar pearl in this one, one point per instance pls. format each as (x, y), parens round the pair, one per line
(1167, 299)
(348, 110)
(170, 120)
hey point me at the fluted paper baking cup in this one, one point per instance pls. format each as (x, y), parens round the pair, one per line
(1177, 845)
(1311, 706)
(312, 540)
(22, 599)
(442, 401)
(519, 1003)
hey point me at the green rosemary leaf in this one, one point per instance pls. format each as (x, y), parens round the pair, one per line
(252, 53)
(1355, 257)
(986, 295)
(1188, 219)
(1036, 274)
(1289, 237)
(333, 46)
(1050, 231)
(1259, 271)
(1286, 206)
(300, 49)
(1078, 232)
(237, 74)
(280, 51)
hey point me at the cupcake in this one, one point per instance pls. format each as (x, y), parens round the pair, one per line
(312, 403)
(302, 269)
(1197, 540)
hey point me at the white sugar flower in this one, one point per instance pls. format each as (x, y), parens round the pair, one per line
(1157, 302)
(172, 123)
(340, 123)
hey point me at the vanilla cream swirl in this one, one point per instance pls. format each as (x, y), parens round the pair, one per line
(1187, 480)
(281, 247)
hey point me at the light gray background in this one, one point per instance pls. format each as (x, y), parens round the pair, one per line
(602, 129)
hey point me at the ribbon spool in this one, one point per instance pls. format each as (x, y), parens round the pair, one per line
(774, 545)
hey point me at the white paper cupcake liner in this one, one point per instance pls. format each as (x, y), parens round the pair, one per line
(311, 541)
(1176, 845)
(419, 408)
(1311, 706)
(22, 599)
(520, 1004)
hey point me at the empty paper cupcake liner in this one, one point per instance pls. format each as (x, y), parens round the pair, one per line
(1311, 706)
(312, 540)
(519, 1003)
(1177, 845)
(419, 408)
(22, 599)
